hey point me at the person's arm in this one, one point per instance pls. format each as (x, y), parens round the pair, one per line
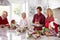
(43, 21)
(33, 19)
(26, 22)
(0, 20)
(7, 23)
(20, 23)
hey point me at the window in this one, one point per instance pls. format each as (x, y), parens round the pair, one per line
(17, 9)
(5, 8)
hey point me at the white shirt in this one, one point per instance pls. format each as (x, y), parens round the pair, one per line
(23, 23)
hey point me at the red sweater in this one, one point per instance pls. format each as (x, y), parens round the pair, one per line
(3, 21)
(40, 18)
(56, 27)
(48, 20)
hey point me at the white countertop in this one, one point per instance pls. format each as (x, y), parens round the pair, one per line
(22, 36)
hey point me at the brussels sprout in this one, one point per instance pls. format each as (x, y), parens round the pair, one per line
(46, 29)
(38, 32)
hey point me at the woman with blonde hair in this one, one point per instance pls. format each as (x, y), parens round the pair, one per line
(49, 20)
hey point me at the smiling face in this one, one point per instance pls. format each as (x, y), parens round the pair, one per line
(5, 14)
(24, 15)
(39, 9)
(13, 22)
(49, 13)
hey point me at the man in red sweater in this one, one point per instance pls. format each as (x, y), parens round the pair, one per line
(3, 18)
(3, 21)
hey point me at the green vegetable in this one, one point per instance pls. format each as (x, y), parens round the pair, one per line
(12, 26)
(38, 32)
(46, 29)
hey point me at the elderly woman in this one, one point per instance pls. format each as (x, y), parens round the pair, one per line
(24, 21)
(3, 18)
(3, 21)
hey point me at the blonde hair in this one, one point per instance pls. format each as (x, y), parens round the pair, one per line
(50, 12)
(24, 15)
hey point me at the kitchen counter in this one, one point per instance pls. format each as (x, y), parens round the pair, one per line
(23, 36)
(12, 35)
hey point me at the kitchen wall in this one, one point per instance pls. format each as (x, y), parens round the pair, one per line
(57, 13)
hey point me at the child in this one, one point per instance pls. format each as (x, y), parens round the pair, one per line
(13, 25)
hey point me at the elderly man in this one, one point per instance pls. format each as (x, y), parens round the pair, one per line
(3, 21)
(3, 18)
